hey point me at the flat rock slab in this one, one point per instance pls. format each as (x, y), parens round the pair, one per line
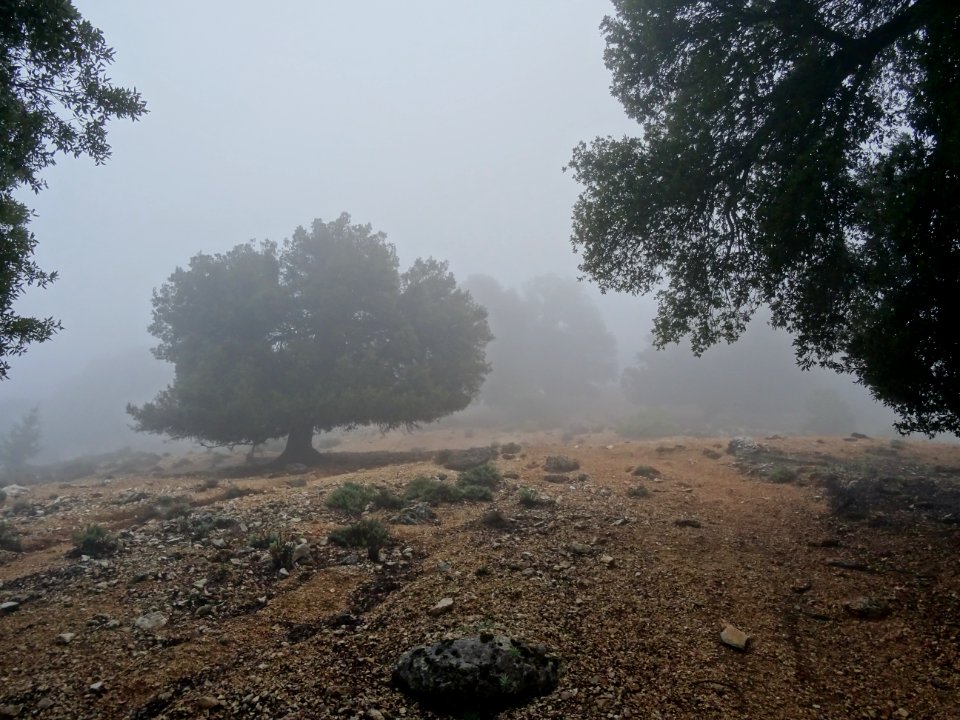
(484, 672)
(734, 637)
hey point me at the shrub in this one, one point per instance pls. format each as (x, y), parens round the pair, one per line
(476, 492)
(782, 474)
(386, 499)
(235, 491)
(560, 464)
(350, 497)
(263, 541)
(209, 483)
(495, 519)
(22, 507)
(95, 541)
(431, 490)
(510, 448)
(9, 540)
(528, 497)
(646, 471)
(281, 551)
(638, 491)
(366, 533)
(485, 475)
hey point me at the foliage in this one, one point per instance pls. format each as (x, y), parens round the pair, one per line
(782, 474)
(21, 443)
(436, 492)
(646, 471)
(319, 333)
(353, 498)
(485, 475)
(800, 155)
(95, 541)
(9, 540)
(551, 351)
(55, 97)
(366, 533)
(232, 492)
(638, 491)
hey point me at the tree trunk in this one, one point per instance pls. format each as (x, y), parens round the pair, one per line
(299, 448)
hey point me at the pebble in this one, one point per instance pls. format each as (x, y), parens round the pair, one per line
(442, 607)
(97, 686)
(150, 621)
(208, 702)
(9, 606)
(65, 638)
(734, 637)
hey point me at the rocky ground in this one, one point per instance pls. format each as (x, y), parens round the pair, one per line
(837, 557)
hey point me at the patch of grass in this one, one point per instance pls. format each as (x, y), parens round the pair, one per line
(9, 540)
(350, 497)
(431, 490)
(782, 474)
(235, 491)
(528, 497)
(476, 493)
(366, 533)
(386, 499)
(95, 541)
(646, 471)
(263, 541)
(485, 475)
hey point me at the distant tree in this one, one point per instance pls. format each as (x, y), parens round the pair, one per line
(319, 333)
(55, 98)
(803, 155)
(828, 414)
(21, 443)
(551, 352)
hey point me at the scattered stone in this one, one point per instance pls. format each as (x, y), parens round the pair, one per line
(97, 687)
(734, 637)
(607, 560)
(375, 714)
(301, 553)
(9, 606)
(208, 702)
(849, 565)
(151, 621)
(578, 548)
(45, 703)
(442, 607)
(743, 446)
(560, 464)
(65, 638)
(487, 671)
(351, 559)
(801, 586)
(10, 711)
(687, 522)
(283, 572)
(867, 608)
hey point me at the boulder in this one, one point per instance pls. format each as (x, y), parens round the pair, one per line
(483, 672)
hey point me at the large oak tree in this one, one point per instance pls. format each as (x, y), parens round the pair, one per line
(803, 154)
(318, 333)
(55, 97)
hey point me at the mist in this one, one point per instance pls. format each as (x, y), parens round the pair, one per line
(446, 126)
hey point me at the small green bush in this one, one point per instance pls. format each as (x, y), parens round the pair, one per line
(476, 492)
(95, 541)
(350, 497)
(431, 490)
(281, 551)
(527, 497)
(386, 499)
(782, 474)
(366, 533)
(646, 471)
(263, 541)
(9, 540)
(485, 475)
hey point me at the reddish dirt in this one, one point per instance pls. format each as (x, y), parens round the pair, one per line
(631, 600)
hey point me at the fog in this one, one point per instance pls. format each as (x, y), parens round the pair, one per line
(445, 125)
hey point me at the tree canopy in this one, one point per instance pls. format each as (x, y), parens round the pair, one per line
(55, 98)
(803, 155)
(318, 333)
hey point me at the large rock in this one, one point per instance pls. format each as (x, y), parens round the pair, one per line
(485, 672)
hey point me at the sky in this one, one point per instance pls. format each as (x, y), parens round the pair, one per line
(444, 124)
